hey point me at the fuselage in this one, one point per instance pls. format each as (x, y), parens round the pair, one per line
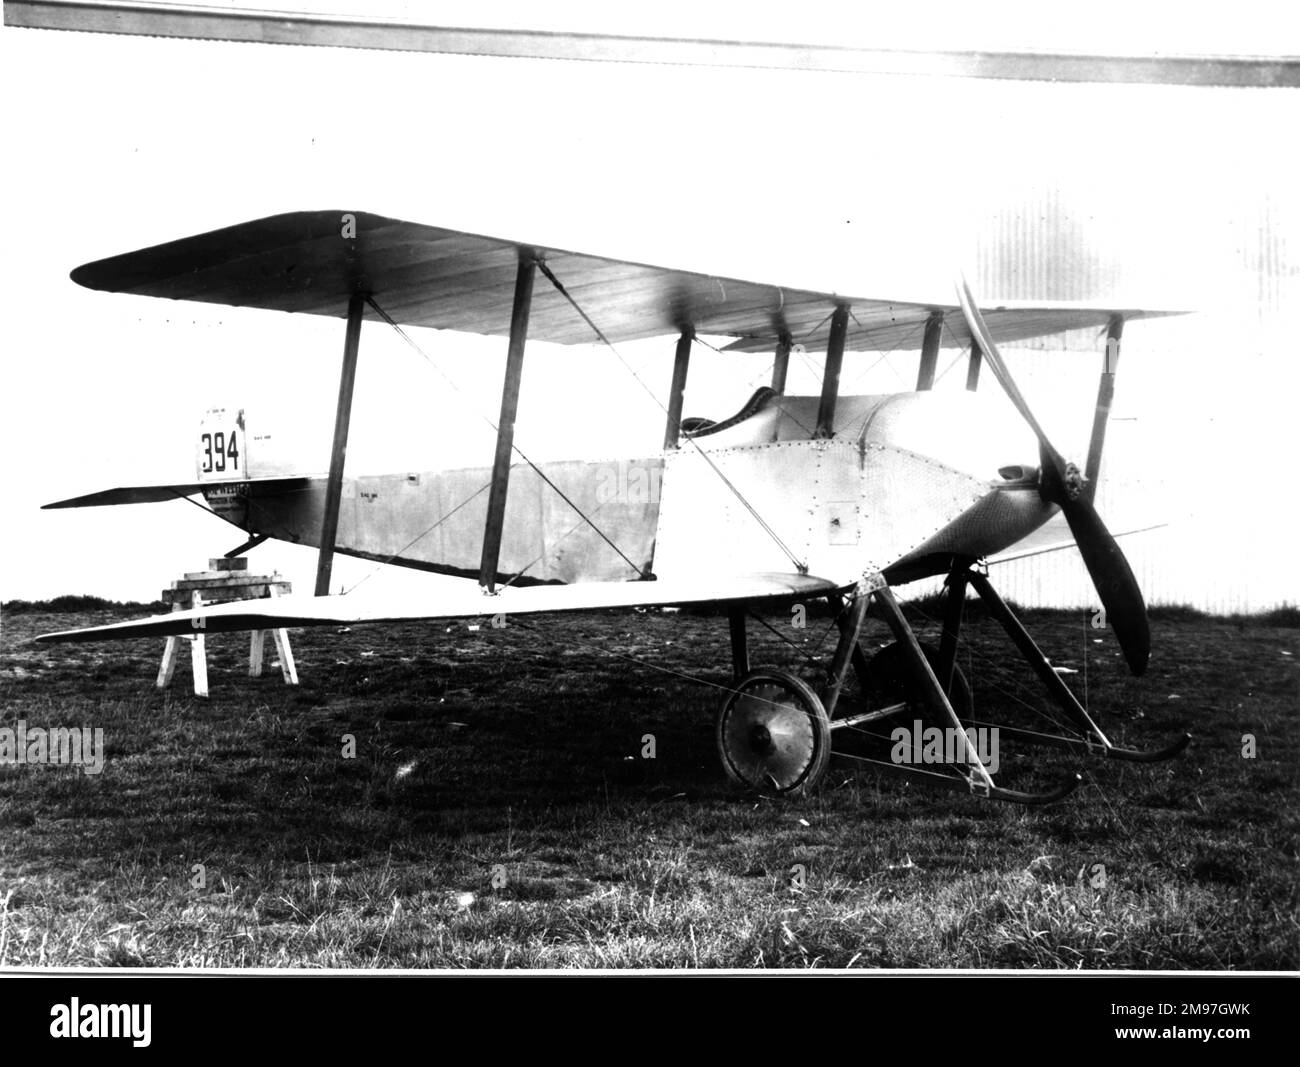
(904, 477)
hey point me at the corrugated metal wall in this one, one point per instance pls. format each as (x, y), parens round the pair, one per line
(1202, 416)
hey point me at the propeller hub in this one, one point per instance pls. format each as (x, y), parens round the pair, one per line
(1060, 482)
(1064, 485)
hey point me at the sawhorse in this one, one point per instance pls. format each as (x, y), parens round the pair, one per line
(225, 582)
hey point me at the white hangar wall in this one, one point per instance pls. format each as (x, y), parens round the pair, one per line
(1204, 429)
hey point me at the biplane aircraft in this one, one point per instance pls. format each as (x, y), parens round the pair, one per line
(791, 499)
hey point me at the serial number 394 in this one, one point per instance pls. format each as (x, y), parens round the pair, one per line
(220, 453)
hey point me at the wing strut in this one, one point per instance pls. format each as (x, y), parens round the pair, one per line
(831, 377)
(782, 365)
(496, 514)
(973, 367)
(1105, 395)
(329, 526)
(930, 351)
(681, 363)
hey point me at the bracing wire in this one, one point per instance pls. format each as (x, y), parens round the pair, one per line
(800, 565)
(536, 470)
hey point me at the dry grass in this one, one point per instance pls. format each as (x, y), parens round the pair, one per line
(498, 813)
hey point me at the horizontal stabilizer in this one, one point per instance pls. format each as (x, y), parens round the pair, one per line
(153, 494)
(468, 601)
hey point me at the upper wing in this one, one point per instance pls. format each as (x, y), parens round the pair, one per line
(427, 276)
(469, 601)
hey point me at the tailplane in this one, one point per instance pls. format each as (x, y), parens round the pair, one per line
(228, 463)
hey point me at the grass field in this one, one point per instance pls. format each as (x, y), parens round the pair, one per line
(498, 811)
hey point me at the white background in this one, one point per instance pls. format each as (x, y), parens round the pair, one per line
(864, 185)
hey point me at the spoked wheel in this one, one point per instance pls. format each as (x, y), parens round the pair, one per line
(889, 680)
(773, 733)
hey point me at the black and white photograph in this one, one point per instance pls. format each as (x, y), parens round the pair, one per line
(689, 488)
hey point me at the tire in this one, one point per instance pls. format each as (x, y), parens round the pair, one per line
(773, 734)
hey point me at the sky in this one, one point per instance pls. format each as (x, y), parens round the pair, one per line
(850, 183)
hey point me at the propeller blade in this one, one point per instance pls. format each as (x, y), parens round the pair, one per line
(1126, 611)
(993, 358)
(1062, 485)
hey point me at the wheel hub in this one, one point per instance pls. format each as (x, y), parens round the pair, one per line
(760, 740)
(773, 733)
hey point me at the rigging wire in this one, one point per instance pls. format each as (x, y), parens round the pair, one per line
(800, 565)
(856, 729)
(256, 505)
(884, 356)
(944, 373)
(957, 774)
(536, 470)
(420, 537)
(809, 656)
(990, 661)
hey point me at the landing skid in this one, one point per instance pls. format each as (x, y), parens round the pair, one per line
(774, 731)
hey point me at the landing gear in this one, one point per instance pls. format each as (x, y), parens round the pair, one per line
(889, 681)
(774, 735)
(774, 730)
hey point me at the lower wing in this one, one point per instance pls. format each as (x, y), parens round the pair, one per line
(470, 601)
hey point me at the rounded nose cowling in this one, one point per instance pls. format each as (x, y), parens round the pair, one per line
(1061, 484)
